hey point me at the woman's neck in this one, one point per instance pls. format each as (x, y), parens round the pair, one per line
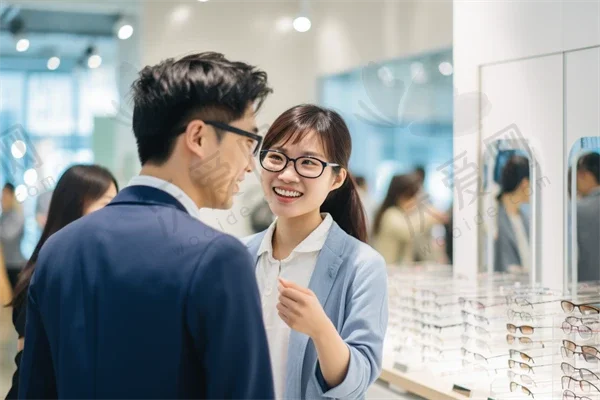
(511, 203)
(290, 232)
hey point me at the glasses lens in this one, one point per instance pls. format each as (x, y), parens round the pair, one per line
(587, 310)
(463, 351)
(567, 369)
(513, 386)
(587, 374)
(273, 161)
(525, 340)
(479, 357)
(511, 328)
(585, 332)
(585, 386)
(565, 381)
(527, 379)
(527, 330)
(510, 339)
(566, 327)
(569, 345)
(311, 168)
(511, 363)
(567, 306)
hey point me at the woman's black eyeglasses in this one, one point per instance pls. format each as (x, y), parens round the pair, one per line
(307, 166)
(257, 138)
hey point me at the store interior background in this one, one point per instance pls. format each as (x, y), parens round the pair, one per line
(536, 63)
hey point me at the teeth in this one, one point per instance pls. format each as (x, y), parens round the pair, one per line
(287, 193)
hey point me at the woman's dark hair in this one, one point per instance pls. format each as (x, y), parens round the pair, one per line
(515, 170)
(77, 188)
(590, 162)
(171, 94)
(401, 186)
(344, 203)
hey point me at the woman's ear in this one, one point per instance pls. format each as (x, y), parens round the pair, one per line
(339, 179)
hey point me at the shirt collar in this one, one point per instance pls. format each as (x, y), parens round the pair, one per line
(313, 242)
(175, 191)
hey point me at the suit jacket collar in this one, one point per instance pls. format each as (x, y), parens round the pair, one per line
(146, 195)
(321, 283)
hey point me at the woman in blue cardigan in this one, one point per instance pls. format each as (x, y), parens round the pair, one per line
(323, 289)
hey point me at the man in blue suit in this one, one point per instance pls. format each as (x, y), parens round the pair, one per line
(140, 299)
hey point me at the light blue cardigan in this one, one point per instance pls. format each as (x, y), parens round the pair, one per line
(350, 281)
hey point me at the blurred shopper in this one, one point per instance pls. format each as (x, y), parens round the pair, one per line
(12, 229)
(588, 217)
(512, 251)
(368, 202)
(402, 218)
(81, 190)
(324, 290)
(140, 299)
(425, 248)
(42, 207)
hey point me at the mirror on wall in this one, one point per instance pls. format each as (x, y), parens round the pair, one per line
(583, 211)
(508, 209)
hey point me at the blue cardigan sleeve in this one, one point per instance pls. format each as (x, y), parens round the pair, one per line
(363, 331)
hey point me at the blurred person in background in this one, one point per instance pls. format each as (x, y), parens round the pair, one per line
(12, 229)
(512, 251)
(426, 249)
(401, 218)
(588, 217)
(368, 202)
(141, 299)
(81, 190)
(42, 207)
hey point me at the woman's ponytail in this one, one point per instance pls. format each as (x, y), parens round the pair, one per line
(346, 209)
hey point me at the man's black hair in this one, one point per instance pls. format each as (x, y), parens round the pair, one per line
(169, 95)
(591, 163)
(10, 187)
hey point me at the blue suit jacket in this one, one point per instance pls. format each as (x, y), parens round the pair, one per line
(141, 300)
(350, 281)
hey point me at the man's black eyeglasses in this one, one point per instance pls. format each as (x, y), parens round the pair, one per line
(307, 166)
(238, 131)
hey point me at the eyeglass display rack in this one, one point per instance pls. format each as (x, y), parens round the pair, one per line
(426, 333)
(495, 337)
(560, 357)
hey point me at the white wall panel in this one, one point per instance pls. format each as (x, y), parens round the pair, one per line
(528, 93)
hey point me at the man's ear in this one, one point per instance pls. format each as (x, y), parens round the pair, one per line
(195, 137)
(339, 179)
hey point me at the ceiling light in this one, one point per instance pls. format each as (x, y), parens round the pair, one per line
(125, 32)
(53, 63)
(94, 61)
(22, 45)
(123, 28)
(18, 149)
(30, 177)
(446, 68)
(202, 1)
(302, 24)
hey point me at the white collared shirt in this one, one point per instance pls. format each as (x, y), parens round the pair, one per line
(168, 187)
(298, 268)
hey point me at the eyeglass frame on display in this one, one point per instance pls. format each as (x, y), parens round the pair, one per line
(574, 396)
(522, 340)
(564, 353)
(529, 367)
(512, 328)
(512, 375)
(575, 369)
(464, 351)
(324, 164)
(578, 306)
(568, 328)
(478, 342)
(580, 381)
